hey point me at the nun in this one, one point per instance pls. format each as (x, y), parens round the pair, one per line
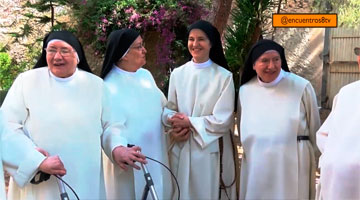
(63, 108)
(21, 159)
(338, 142)
(199, 115)
(278, 118)
(136, 98)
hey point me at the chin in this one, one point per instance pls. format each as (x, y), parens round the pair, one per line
(269, 80)
(60, 75)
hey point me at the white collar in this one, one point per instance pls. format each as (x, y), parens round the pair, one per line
(121, 71)
(274, 82)
(202, 65)
(67, 79)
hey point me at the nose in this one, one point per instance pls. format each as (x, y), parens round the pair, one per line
(57, 55)
(196, 42)
(144, 50)
(271, 65)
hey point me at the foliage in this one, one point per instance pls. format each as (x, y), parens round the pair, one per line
(348, 11)
(41, 13)
(247, 16)
(32, 53)
(28, 33)
(168, 17)
(10, 68)
(93, 20)
(8, 71)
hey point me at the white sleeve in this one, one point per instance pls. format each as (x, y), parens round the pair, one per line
(14, 108)
(171, 106)
(211, 127)
(19, 156)
(326, 127)
(113, 126)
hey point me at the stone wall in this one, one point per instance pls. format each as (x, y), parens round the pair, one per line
(9, 20)
(12, 20)
(303, 46)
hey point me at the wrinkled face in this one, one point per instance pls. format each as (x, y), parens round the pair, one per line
(199, 45)
(61, 59)
(268, 66)
(137, 53)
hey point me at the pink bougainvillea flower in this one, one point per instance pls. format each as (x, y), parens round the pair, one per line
(135, 17)
(104, 20)
(129, 10)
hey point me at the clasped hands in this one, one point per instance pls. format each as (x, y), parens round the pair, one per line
(181, 125)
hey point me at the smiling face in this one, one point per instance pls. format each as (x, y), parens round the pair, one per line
(268, 66)
(199, 45)
(61, 59)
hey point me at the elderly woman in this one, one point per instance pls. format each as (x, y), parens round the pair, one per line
(200, 114)
(136, 98)
(278, 118)
(63, 109)
(338, 141)
(21, 159)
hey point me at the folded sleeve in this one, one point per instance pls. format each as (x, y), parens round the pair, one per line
(171, 106)
(19, 156)
(211, 127)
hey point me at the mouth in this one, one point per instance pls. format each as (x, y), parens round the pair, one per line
(270, 72)
(58, 64)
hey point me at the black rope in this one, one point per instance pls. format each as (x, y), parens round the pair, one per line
(172, 174)
(223, 186)
(77, 197)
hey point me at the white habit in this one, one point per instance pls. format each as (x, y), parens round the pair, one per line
(18, 155)
(135, 97)
(65, 117)
(205, 93)
(275, 164)
(338, 140)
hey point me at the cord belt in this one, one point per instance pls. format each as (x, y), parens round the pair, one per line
(302, 137)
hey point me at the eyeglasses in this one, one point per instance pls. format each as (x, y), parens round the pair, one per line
(139, 47)
(63, 52)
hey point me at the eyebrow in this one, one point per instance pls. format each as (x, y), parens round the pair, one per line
(55, 47)
(138, 43)
(199, 37)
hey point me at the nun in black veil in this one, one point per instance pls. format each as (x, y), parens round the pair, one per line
(136, 98)
(199, 114)
(62, 107)
(278, 118)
